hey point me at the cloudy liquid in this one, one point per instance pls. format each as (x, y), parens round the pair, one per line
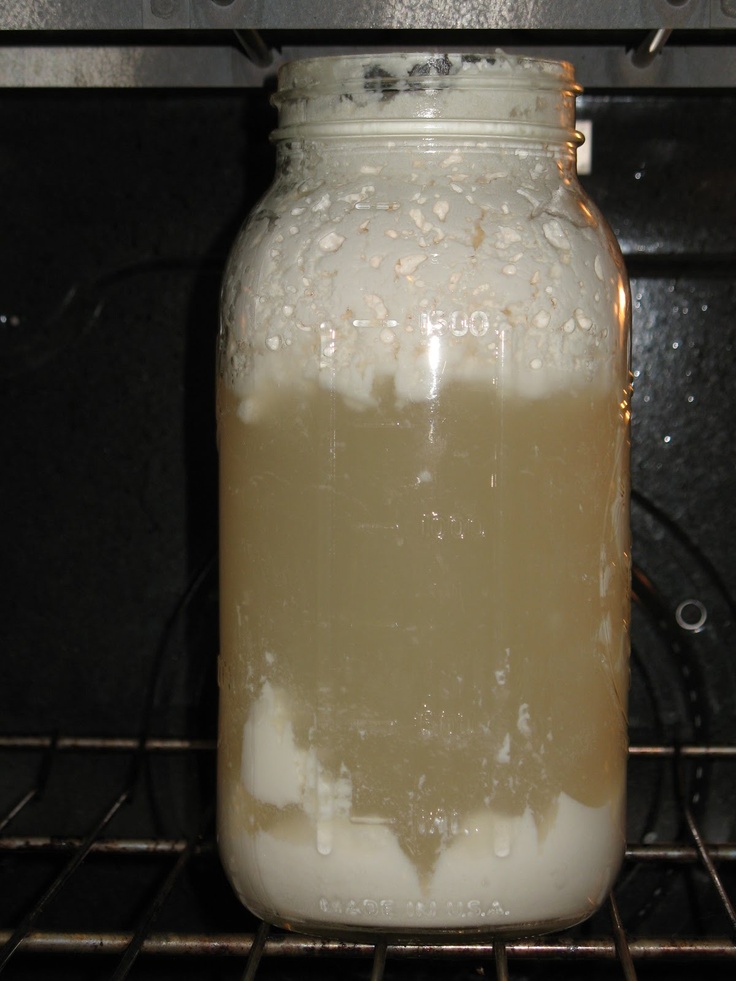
(438, 593)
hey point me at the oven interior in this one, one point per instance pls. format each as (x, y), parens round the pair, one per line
(120, 197)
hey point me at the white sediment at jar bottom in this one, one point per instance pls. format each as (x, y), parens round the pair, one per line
(367, 882)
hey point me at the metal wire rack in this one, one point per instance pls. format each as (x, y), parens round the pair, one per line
(127, 839)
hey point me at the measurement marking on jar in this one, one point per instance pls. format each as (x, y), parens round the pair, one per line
(373, 821)
(376, 322)
(457, 323)
(376, 526)
(451, 527)
(378, 206)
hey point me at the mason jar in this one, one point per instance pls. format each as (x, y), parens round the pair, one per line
(423, 421)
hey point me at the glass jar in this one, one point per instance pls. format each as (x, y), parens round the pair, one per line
(423, 429)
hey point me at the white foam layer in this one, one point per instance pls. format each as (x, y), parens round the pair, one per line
(470, 266)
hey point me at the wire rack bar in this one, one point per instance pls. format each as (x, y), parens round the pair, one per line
(704, 852)
(289, 946)
(500, 955)
(17, 807)
(124, 744)
(105, 846)
(256, 951)
(151, 914)
(166, 744)
(621, 943)
(16, 938)
(379, 961)
(35, 792)
(133, 949)
(661, 852)
(688, 752)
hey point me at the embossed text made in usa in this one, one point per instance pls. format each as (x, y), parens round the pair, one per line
(418, 909)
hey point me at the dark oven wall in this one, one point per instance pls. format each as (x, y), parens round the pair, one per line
(117, 210)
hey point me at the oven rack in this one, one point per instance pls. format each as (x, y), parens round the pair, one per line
(147, 940)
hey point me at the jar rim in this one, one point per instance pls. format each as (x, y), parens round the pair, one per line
(409, 93)
(424, 68)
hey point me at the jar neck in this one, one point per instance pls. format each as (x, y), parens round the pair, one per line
(421, 96)
(339, 157)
